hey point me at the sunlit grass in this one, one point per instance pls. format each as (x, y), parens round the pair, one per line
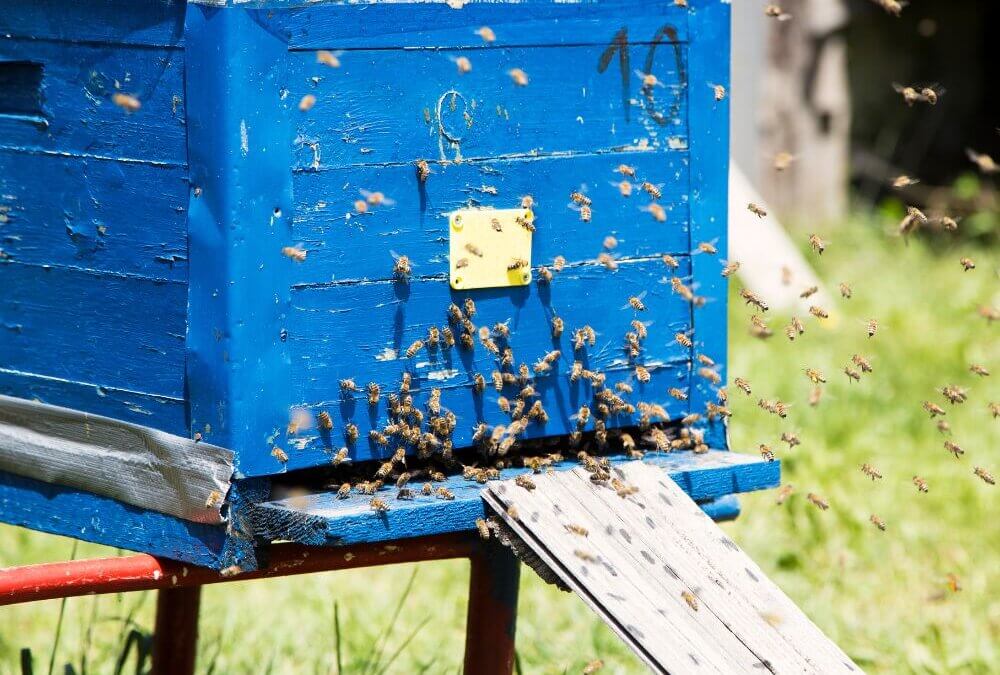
(881, 596)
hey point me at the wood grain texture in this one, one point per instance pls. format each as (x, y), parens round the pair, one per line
(344, 244)
(157, 23)
(398, 106)
(94, 328)
(322, 518)
(83, 515)
(642, 552)
(80, 119)
(120, 217)
(382, 25)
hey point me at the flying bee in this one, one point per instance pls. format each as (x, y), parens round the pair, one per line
(742, 384)
(790, 332)
(609, 262)
(954, 394)
(930, 95)
(766, 453)
(340, 457)
(775, 12)
(790, 438)
(812, 290)
(658, 212)
(679, 394)
(894, 7)
(852, 374)
(877, 522)
(815, 376)
(871, 472)
(782, 161)
(423, 170)
(967, 264)
(817, 244)
(324, 420)
(984, 162)
(653, 191)
(503, 404)
(819, 312)
(909, 94)
(527, 202)
(708, 247)
(845, 291)
(933, 408)
(402, 269)
(641, 374)
(730, 268)
(683, 340)
(954, 449)
(759, 324)
(784, 492)
(378, 438)
(991, 314)
(815, 395)
(127, 102)
(518, 76)
(294, 253)
(786, 275)
(943, 427)
(913, 219)
(709, 375)
(977, 369)
(994, 409)
(585, 214)
(670, 261)
(414, 348)
(872, 327)
(985, 475)
(862, 363)
(818, 501)
(752, 298)
(920, 483)
(718, 91)
(486, 33)
(903, 181)
(756, 210)
(378, 505)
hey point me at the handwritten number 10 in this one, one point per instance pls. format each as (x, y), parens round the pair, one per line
(619, 43)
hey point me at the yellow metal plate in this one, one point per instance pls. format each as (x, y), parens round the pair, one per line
(490, 248)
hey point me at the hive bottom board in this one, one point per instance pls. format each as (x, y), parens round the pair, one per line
(711, 479)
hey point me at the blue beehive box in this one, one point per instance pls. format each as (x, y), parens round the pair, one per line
(204, 205)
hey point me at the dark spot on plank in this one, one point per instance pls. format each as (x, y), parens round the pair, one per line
(651, 523)
(584, 572)
(694, 659)
(670, 570)
(648, 557)
(556, 509)
(534, 516)
(501, 488)
(625, 535)
(665, 499)
(729, 543)
(615, 596)
(635, 631)
(609, 530)
(751, 574)
(849, 666)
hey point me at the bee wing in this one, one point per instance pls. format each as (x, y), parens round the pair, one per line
(898, 87)
(388, 202)
(397, 256)
(365, 193)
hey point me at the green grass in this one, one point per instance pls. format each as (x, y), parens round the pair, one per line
(881, 596)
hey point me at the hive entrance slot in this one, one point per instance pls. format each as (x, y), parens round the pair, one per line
(21, 91)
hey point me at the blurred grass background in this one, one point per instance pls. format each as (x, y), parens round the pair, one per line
(881, 595)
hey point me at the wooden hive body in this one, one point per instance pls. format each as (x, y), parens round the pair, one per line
(142, 271)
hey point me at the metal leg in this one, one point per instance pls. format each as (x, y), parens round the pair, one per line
(492, 619)
(175, 641)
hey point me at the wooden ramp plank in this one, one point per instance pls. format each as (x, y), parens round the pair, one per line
(642, 552)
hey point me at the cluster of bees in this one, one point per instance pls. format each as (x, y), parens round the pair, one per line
(860, 365)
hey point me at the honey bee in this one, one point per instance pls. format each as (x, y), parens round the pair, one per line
(653, 191)
(894, 7)
(519, 77)
(642, 374)
(279, 454)
(954, 449)
(954, 394)
(585, 214)
(994, 409)
(709, 375)
(730, 268)
(912, 220)
(977, 369)
(340, 457)
(782, 161)
(558, 263)
(819, 312)
(815, 376)
(953, 583)
(126, 102)
(903, 181)
(404, 494)
(818, 501)
(845, 291)
(307, 102)
(943, 427)
(423, 170)
(463, 64)
(812, 290)
(929, 95)
(985, 475)
(967, 264)
(752, 298)
(756, 210)
(983, 161)
(378, 505)
(670, 261)
(414, 348)
(516, 263)
(402, 268)
(766, 453)
(679, 394)
(920, 483)
(791, 439)
(427, 489)
(872, 327)
(214, 499)
(445, 494)
(852, 374)
(544, 275)
(871, 472)
(909, 94)
(623, 387)
(759, 325)
(790, 332)
(877, 522)
(576, 371)
(608, 262)
(862, 363)
(525, 482)
(658, 212)
(683, 340)
(325, 421)
(991, 314)
(933, 408)
(776, 12)
(817, 244)
(786, 275)
(327, 58)
(707, 247)
(486, 33)
(743, 385)
(484, 530)
(718, 91)
(784, 492)
(294, 253)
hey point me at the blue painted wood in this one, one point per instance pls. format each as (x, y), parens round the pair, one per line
(722, 509)
(80, 119)
(74, 212)
(240, 158)
(82, 515)
(323, 518)
(93, 328)
(344, 244)
(149, 22)
(709, 139)
(430, 25)
(383, 105)
(161, 412)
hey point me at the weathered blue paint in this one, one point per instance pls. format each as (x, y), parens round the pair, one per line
(322, 517)
(150, 23)
(722, 509)
(82, 515)
(240, 158)
(708, 122)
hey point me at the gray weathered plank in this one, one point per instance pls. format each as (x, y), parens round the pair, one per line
(650, 547)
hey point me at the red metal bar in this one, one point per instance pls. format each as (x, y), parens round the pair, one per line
(175, 638)
(492, 614)
(144, 572)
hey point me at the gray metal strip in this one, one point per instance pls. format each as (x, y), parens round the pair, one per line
(134, 464)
